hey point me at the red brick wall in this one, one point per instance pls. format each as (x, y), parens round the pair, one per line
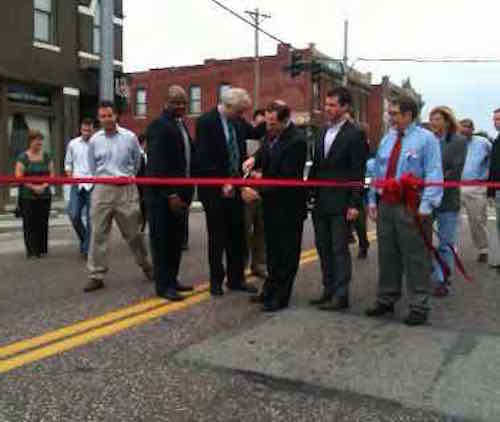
(375, 113)
(275, 83)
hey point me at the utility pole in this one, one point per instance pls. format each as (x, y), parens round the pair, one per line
(106, 87)
(345, 78)
(257, 17)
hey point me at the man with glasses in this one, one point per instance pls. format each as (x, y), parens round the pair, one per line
(406, 149)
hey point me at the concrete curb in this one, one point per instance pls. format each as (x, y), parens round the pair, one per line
(58, 218)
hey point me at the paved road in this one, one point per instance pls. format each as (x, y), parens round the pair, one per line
(120, 354)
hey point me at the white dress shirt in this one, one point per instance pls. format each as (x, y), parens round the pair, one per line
(76, 161)
(331, 135)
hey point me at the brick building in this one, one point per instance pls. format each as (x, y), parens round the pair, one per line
(48, 73)
(205, 82)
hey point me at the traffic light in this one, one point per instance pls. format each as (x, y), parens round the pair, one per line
(316, 69)
(297, 65)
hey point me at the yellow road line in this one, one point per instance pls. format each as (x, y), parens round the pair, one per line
(149, 304)
(110, 329)
(107, 330)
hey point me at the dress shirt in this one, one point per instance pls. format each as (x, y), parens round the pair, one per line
(477, 160)
(115, 155)
(420, 156)
(331, 134)
(76, 161)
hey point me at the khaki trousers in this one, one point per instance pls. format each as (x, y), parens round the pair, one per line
(121, 204)
(476, 204)
(255, 254)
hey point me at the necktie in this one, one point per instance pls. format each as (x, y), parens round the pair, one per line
(392, 165)
(393, 195)
(187, 146)
(233, 150)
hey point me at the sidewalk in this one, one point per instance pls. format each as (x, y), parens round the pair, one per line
(454, 373)
(58, 217)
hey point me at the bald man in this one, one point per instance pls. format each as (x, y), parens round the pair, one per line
(170, 150)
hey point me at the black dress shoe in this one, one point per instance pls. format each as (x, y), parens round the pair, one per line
(172, 295)
(273, 306)
(379, 310)
(216, 291)
(260, 298)
(336, 304)
(182, 288)
(482, 258)
(363, 254)
(415, 318)
(93, 285)
(322, 300)
(243, 288)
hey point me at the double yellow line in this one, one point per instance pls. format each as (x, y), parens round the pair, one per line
(31, 350)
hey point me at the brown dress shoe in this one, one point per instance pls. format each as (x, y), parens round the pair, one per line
(93, 285)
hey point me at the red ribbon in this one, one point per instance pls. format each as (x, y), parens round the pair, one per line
(219, 181)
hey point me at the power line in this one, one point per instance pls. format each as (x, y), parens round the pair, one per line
(430, 60)
(248, 22)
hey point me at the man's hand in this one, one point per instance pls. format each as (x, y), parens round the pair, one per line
(40, 189)
(373, 212)
(352, 214)
(424, 217)
(176, 204)
(256, 174)
(228, 191)
(248, 165)
(249, 195)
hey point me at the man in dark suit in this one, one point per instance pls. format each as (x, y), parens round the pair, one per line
(170, 153)
(283, 155)
(340, 155)
(220, 150)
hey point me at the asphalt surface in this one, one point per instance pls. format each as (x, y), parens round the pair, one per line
(139, 374)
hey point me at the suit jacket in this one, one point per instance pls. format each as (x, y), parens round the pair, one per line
(166, 156)
(345, 161)
(494, 166)
(285, 160)
(212, 157)
(453, 154)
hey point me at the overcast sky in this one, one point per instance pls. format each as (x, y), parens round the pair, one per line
(161, 33)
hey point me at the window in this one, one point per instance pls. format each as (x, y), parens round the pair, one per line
(316, 96)
(195, 100)
(96, 30)
(141, 102)
(222, 88)
(44, 21)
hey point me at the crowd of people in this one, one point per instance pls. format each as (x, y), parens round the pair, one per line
(261, 228)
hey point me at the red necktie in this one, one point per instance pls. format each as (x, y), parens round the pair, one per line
(390, 195)
(392, 166)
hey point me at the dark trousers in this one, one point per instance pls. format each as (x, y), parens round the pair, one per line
(226, 234)
(185, 239)
(283, 247)
(332, 237)
(166, 232)
(35, 214)
(360, 227)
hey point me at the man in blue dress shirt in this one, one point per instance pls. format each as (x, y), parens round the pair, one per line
(406, 149)
(477, 167)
